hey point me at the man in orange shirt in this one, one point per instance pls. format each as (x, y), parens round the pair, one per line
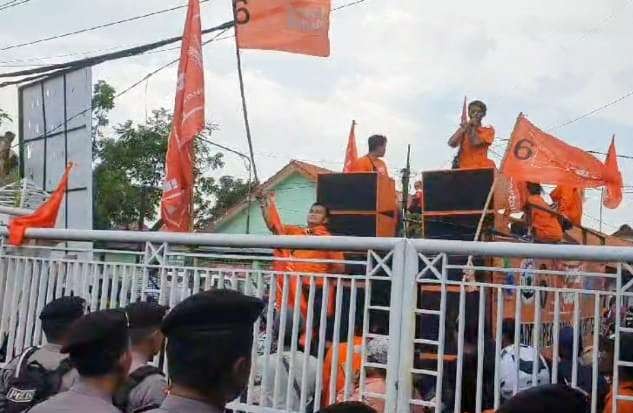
(317, 221)
(473, 140)
(545, 226)
(568, 201)
(372, 162)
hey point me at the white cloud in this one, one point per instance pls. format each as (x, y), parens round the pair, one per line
(399, 67)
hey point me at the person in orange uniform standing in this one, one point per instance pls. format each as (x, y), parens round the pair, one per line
(317, 221)
(371, 162)
(473, 140)
(568, 201)
(545, 226)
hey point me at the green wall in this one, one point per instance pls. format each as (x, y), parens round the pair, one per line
(294, 197)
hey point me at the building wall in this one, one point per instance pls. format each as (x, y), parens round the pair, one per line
(294, 197)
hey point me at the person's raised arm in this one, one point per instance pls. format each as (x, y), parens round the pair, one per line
(269, 210)
(455, 140)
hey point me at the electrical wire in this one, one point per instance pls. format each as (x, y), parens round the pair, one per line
(12, 4)
(126, 90)
(98, 27)
(95, 60)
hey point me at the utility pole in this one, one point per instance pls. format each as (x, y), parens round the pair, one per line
(406, 176)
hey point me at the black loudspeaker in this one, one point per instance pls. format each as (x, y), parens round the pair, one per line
(457, 189)
(462, 227)
(363, 224)
(358, 192)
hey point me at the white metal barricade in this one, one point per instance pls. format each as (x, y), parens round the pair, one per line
(446, 341)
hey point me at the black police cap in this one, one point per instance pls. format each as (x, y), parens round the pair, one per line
(144, 314)
(213, 310)
(64, 309)
(105, 330)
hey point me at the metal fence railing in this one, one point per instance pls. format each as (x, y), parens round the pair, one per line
(447, 345)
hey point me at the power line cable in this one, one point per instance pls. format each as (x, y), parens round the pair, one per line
(95, 60)
(12, 4)
(126, 90)
(591, 112)
(93, 28)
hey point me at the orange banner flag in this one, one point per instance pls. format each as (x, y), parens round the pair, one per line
(613, 194)
(44, 217)
(351, 153)
(295, 26)
(176, 204)
(535, 156)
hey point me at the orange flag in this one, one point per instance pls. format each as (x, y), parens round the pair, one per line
(177, 201)
(613, 194)
(295, 26)
(351, 153)
(535, 156)
(44, 217)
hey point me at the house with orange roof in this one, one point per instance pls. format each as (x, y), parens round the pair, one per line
(295, 191)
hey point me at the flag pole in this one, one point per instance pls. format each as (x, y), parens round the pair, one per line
(242, 94)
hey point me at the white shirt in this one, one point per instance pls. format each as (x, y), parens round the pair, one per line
(281, 391)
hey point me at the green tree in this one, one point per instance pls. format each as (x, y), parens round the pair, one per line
(130, 167)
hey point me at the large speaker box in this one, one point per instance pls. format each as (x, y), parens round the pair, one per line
(456, 226)
(363, 224)
(358, 192)
(457, 189)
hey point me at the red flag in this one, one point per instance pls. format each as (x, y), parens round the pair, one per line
(465, 111)
(613, 194)
(295, 26)
(535, 156)
(44, 217)
(351, 153)
(176, 203)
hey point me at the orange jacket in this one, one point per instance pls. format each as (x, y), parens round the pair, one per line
(340, 376)
(545, 226)
(370, 164)
(569, 201)
(624, 406)
(477, 156)
(305, 267)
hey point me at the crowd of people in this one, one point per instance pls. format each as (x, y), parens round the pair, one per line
(102, 361)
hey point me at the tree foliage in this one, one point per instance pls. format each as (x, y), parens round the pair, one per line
(130, 167)
(4, 117)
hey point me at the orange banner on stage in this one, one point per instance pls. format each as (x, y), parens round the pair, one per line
(295, 26)
(535, 156)
(351, 153)
(613, 194)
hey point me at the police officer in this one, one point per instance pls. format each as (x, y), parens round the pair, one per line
(209, 342)
(56, 317)
(98, 346)
(146, 386)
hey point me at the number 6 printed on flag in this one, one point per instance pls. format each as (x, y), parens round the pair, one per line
(523, 149)
(242, 15)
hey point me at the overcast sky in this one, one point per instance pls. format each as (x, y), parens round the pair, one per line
(398, 67)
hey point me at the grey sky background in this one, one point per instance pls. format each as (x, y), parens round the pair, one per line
(398, 67)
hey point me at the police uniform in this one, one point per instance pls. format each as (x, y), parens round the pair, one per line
(197, 318)
(145, 317)
(94, 333)
(61, 311)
